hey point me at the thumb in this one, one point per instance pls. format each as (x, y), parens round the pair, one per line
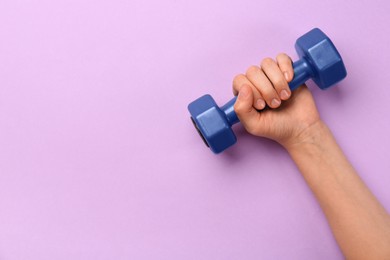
(245, 111)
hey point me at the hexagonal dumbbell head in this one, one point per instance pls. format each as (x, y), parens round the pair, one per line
(323, 58)
(212, 123)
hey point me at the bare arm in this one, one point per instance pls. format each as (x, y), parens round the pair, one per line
(359, 223)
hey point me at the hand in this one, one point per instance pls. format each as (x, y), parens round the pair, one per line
(268, 84)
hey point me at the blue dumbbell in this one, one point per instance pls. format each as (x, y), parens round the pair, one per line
(319, 60)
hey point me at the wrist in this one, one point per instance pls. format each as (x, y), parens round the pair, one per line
(311, 135)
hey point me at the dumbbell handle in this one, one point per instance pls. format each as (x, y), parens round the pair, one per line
(302, 72)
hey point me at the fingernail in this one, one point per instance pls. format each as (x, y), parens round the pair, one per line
(260, 104)
(286, 75)
(284, 94)
(275, 102)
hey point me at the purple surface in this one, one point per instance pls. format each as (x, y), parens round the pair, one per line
(98, 157)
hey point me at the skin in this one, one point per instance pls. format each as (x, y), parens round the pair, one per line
(360, 224)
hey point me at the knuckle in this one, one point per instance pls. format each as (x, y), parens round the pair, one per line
(284, 59)
(238, 78)
(266, 62)
(282, 55)
(252, 70)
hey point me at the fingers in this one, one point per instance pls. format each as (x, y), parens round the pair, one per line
(269, 83)
(285, 65)
(257, 77)
(277, 78)
(241, 80)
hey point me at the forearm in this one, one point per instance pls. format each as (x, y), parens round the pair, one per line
(359, 223)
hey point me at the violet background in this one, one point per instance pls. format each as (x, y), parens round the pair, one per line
(98, 157)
